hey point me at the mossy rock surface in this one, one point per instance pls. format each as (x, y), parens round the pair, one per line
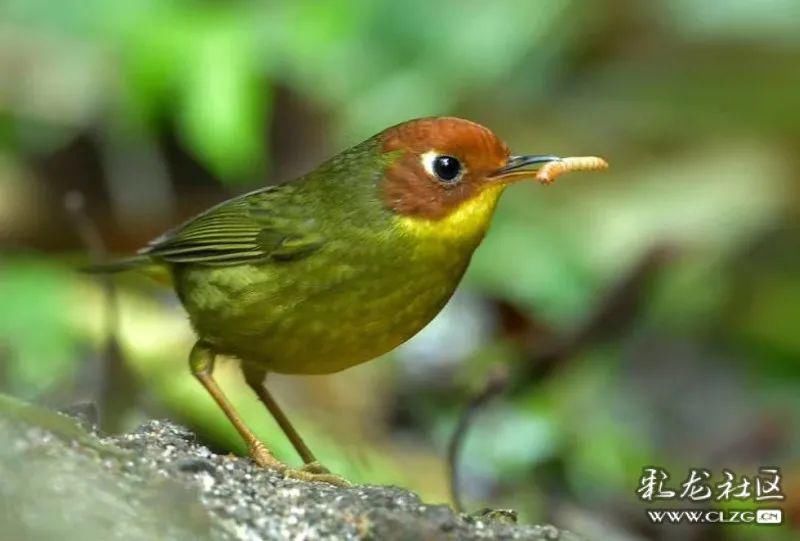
(62, 482)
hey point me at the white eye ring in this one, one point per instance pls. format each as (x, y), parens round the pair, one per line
(429, 160)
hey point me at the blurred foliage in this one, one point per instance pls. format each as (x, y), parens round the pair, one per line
(157, 109)
(35, 296)
(208, 68)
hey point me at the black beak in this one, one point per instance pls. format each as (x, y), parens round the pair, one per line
(517, 164)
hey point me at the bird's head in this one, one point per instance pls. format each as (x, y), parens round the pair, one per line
(449, 171)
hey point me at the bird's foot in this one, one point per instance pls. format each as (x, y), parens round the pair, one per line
(317, 473)
(261, 456)
(313, 472)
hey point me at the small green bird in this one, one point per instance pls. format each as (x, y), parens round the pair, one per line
(342, 264)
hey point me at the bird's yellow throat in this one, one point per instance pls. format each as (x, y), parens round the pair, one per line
(467, 221)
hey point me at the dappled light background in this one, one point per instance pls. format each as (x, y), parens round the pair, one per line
(120, 119)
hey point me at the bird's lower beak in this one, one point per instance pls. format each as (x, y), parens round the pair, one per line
(518, 167)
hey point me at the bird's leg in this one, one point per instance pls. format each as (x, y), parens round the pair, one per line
(312, 470)
(201, 362)
(255, 379)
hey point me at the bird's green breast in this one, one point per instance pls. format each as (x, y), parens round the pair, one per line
(375, 280)
(345, 304)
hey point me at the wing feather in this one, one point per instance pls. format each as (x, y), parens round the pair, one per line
(251, 228)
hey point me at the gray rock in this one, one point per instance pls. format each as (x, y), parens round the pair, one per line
(61, 482)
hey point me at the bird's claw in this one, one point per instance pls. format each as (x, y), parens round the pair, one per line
(261, 456)
(316, 473)
(313, 472)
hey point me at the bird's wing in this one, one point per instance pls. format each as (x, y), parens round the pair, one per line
(252, 228)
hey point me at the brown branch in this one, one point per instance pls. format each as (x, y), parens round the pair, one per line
(115, 380)
(496, 382)
(611, 316)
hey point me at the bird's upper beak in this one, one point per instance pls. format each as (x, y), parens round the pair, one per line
(522, 166)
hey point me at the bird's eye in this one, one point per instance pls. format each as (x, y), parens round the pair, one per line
(447, 168)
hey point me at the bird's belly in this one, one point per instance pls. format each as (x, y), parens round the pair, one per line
(315, 326)
(340, 329)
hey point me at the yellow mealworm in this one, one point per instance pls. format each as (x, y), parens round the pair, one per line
(552, 170)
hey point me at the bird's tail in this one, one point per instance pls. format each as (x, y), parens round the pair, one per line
(140, 263)
(118, 265)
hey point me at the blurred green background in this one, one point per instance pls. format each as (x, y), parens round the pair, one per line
(139, 114)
